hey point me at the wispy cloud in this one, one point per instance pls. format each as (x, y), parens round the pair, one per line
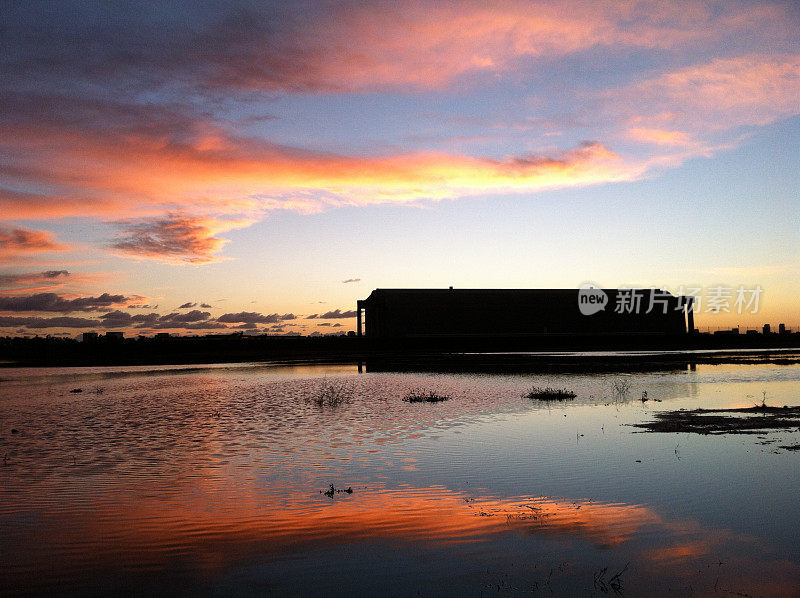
(175, 239)
(708, 98)
(14, 241)
(27, 278)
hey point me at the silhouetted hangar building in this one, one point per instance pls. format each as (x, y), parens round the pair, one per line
(407, 313)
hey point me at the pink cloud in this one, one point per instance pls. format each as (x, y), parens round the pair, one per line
(753, 90)
(406, 45)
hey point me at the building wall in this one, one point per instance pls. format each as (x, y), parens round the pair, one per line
(501, 312)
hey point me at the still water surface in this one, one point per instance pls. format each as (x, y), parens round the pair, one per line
(210, 481)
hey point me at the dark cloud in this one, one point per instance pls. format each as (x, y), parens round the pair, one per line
(239, 44)
(247, 326)
(58, 322)
(54, 273)
(324, 324)
(171, 325)
(119, 319)
(187, 305)
(312, 317)
(56, 303)
(205, 306)
(20, 240)
(351, 280)
(194, 320)
(193, 316)
(201, 326)
(253, 317)
(142, 306)
(337, 313)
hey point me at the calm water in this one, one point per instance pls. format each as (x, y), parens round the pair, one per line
(208, 481)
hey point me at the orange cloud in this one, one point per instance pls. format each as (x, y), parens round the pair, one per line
(660, 137)
(176, 238)
(14, 241)
(140, 176)
(49, 280)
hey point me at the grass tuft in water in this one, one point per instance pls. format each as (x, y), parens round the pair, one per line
(425, 397)
(333, 393)
(621, 387)
(550, 394)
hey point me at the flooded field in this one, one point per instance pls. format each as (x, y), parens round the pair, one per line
(320, 480)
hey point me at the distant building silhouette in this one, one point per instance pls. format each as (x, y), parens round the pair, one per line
(406, 313)
(781, 328)
(89, 337)
(727, 332)
(766, 329)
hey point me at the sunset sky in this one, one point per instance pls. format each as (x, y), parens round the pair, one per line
(249, 165)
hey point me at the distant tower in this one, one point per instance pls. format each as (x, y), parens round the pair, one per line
(766, 329)
(781, 328)
(689, 302)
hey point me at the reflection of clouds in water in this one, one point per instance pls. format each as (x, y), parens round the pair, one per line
(215, 464)
(278, 518)
(212, 525)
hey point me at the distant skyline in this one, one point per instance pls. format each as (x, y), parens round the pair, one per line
(259, 167)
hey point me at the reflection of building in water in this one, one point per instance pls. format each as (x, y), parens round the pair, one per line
(394, 313)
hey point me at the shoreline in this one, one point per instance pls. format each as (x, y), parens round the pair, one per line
(445, 361)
